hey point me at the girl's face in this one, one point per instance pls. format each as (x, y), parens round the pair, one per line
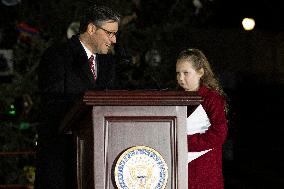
(187, 77)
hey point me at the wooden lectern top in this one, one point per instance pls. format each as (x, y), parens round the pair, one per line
(141, 98)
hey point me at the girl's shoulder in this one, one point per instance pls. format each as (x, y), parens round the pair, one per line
(210, 94)
(205, 91)
(212, 100)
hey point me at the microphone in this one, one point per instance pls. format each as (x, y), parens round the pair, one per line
(121, 54)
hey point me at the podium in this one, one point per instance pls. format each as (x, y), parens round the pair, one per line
(106, 123)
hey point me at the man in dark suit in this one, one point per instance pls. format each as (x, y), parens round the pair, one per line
(66, 71)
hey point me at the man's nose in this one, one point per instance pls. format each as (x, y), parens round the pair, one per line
(113, 39)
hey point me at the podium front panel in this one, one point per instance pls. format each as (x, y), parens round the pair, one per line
(162, 128)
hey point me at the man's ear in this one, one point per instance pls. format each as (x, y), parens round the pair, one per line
(91, 28)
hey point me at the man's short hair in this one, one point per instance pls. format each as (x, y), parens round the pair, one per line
(98, 15)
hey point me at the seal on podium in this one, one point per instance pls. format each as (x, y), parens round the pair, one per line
(141, 167)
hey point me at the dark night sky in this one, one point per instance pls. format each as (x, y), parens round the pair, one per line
(268, 14)
(226, 13)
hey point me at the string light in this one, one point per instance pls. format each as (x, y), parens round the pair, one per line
(12, 110)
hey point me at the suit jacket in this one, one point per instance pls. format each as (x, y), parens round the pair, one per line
(205, 172)
(64, 75)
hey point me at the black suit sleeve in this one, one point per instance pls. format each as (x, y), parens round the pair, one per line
(54, 101)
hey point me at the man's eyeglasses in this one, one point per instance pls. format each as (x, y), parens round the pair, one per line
(109, 33)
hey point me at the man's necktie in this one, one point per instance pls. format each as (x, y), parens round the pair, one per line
(92, 66)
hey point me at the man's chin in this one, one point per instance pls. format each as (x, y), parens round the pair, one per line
(104, 51)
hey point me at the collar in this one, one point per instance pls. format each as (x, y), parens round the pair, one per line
(89, 53)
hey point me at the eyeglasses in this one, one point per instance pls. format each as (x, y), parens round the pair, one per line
(109, 33)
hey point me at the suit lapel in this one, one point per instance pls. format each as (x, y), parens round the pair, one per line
(81, 60)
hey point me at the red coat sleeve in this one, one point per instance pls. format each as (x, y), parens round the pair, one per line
(214, 106)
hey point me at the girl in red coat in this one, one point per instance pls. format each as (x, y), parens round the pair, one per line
(207, 133)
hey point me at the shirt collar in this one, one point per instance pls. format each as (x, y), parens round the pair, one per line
(89, 53)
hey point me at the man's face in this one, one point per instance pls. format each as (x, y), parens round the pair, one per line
(104, 37)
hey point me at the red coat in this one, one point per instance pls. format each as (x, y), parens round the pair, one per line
(205, 172)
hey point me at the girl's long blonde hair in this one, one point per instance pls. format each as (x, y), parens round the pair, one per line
(198, 61)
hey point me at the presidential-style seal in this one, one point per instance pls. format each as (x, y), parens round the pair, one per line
(141, 167)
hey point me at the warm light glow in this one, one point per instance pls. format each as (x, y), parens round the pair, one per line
(248, 23)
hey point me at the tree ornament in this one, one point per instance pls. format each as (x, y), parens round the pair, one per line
(10, 2)
(153, 57)
(73, 29)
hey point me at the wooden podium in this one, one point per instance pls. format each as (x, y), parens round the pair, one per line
(106, 123)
